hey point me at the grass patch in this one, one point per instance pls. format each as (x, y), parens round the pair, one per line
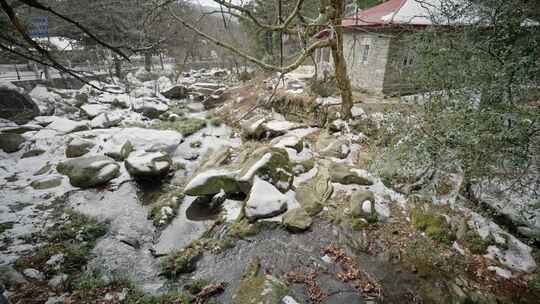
(5, 227)
(74, 239)
(186, 127)
(182, 261)
(164, 212)
(215, 121)
(92, 289)
(434, 225)
(242, 228)
(196, 286)
(476, 244)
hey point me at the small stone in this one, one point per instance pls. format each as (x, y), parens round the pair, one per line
(56, 300)
(47, 183)
(148, 165)
(58, 280)
(503, 273)
(10, 142)
(55, 260)
(35, 274)
(288, 300)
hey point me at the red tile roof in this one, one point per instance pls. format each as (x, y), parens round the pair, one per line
(394, 12)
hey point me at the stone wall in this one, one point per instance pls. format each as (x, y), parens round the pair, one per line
(370, 74)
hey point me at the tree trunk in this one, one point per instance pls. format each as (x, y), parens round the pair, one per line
(161, 61)
(342, 79)
(148, 61)
(117, 67)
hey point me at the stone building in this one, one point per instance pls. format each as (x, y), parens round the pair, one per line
(379, 55)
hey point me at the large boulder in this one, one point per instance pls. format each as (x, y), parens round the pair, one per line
(362, 204)
(297, 219)
(330, 146)
(149, 107)
(313, 194)
(148, 165)
(93, 110)
(270, 164)
(212, 181)
(253, 127)
(264, 201)
(16, 106)
(119, 152)
(78, 147)
(346, 175)
(176, 92)
(149, 140)
(10, 142)
(275, 127)
(86, 172)
(104, 120)
(64, 125)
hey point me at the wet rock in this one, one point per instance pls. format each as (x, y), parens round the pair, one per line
(16, 106)
(10, 143)
(272, 165)
(78, 147)
(64, 125)
(148, 165)
(46, 183)
(104, 120)
(260, 289)
(176, 92)
(264, 201)
(257, 288)
(34, 274)
(150, 108)
(120, 152)
(362, 204)
(313, 194)
(212, 181)
(346, 175)
(297, 219)
(85, 172)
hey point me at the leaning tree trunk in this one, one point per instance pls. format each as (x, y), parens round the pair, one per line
(342, 79)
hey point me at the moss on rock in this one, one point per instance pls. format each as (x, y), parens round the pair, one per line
(433, 224)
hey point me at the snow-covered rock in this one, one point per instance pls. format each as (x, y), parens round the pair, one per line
(149, 107)
(265, 201)
(93, 110)
(85, 172)
(142, 139)
(213, 181)
(148, 165)
(105, 120)
(64, 125)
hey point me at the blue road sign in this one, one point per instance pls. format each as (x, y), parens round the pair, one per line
(39, 27)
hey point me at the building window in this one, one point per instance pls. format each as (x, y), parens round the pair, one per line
(408, 59)
(365, 53)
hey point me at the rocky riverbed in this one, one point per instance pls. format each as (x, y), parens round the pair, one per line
(148, 190)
